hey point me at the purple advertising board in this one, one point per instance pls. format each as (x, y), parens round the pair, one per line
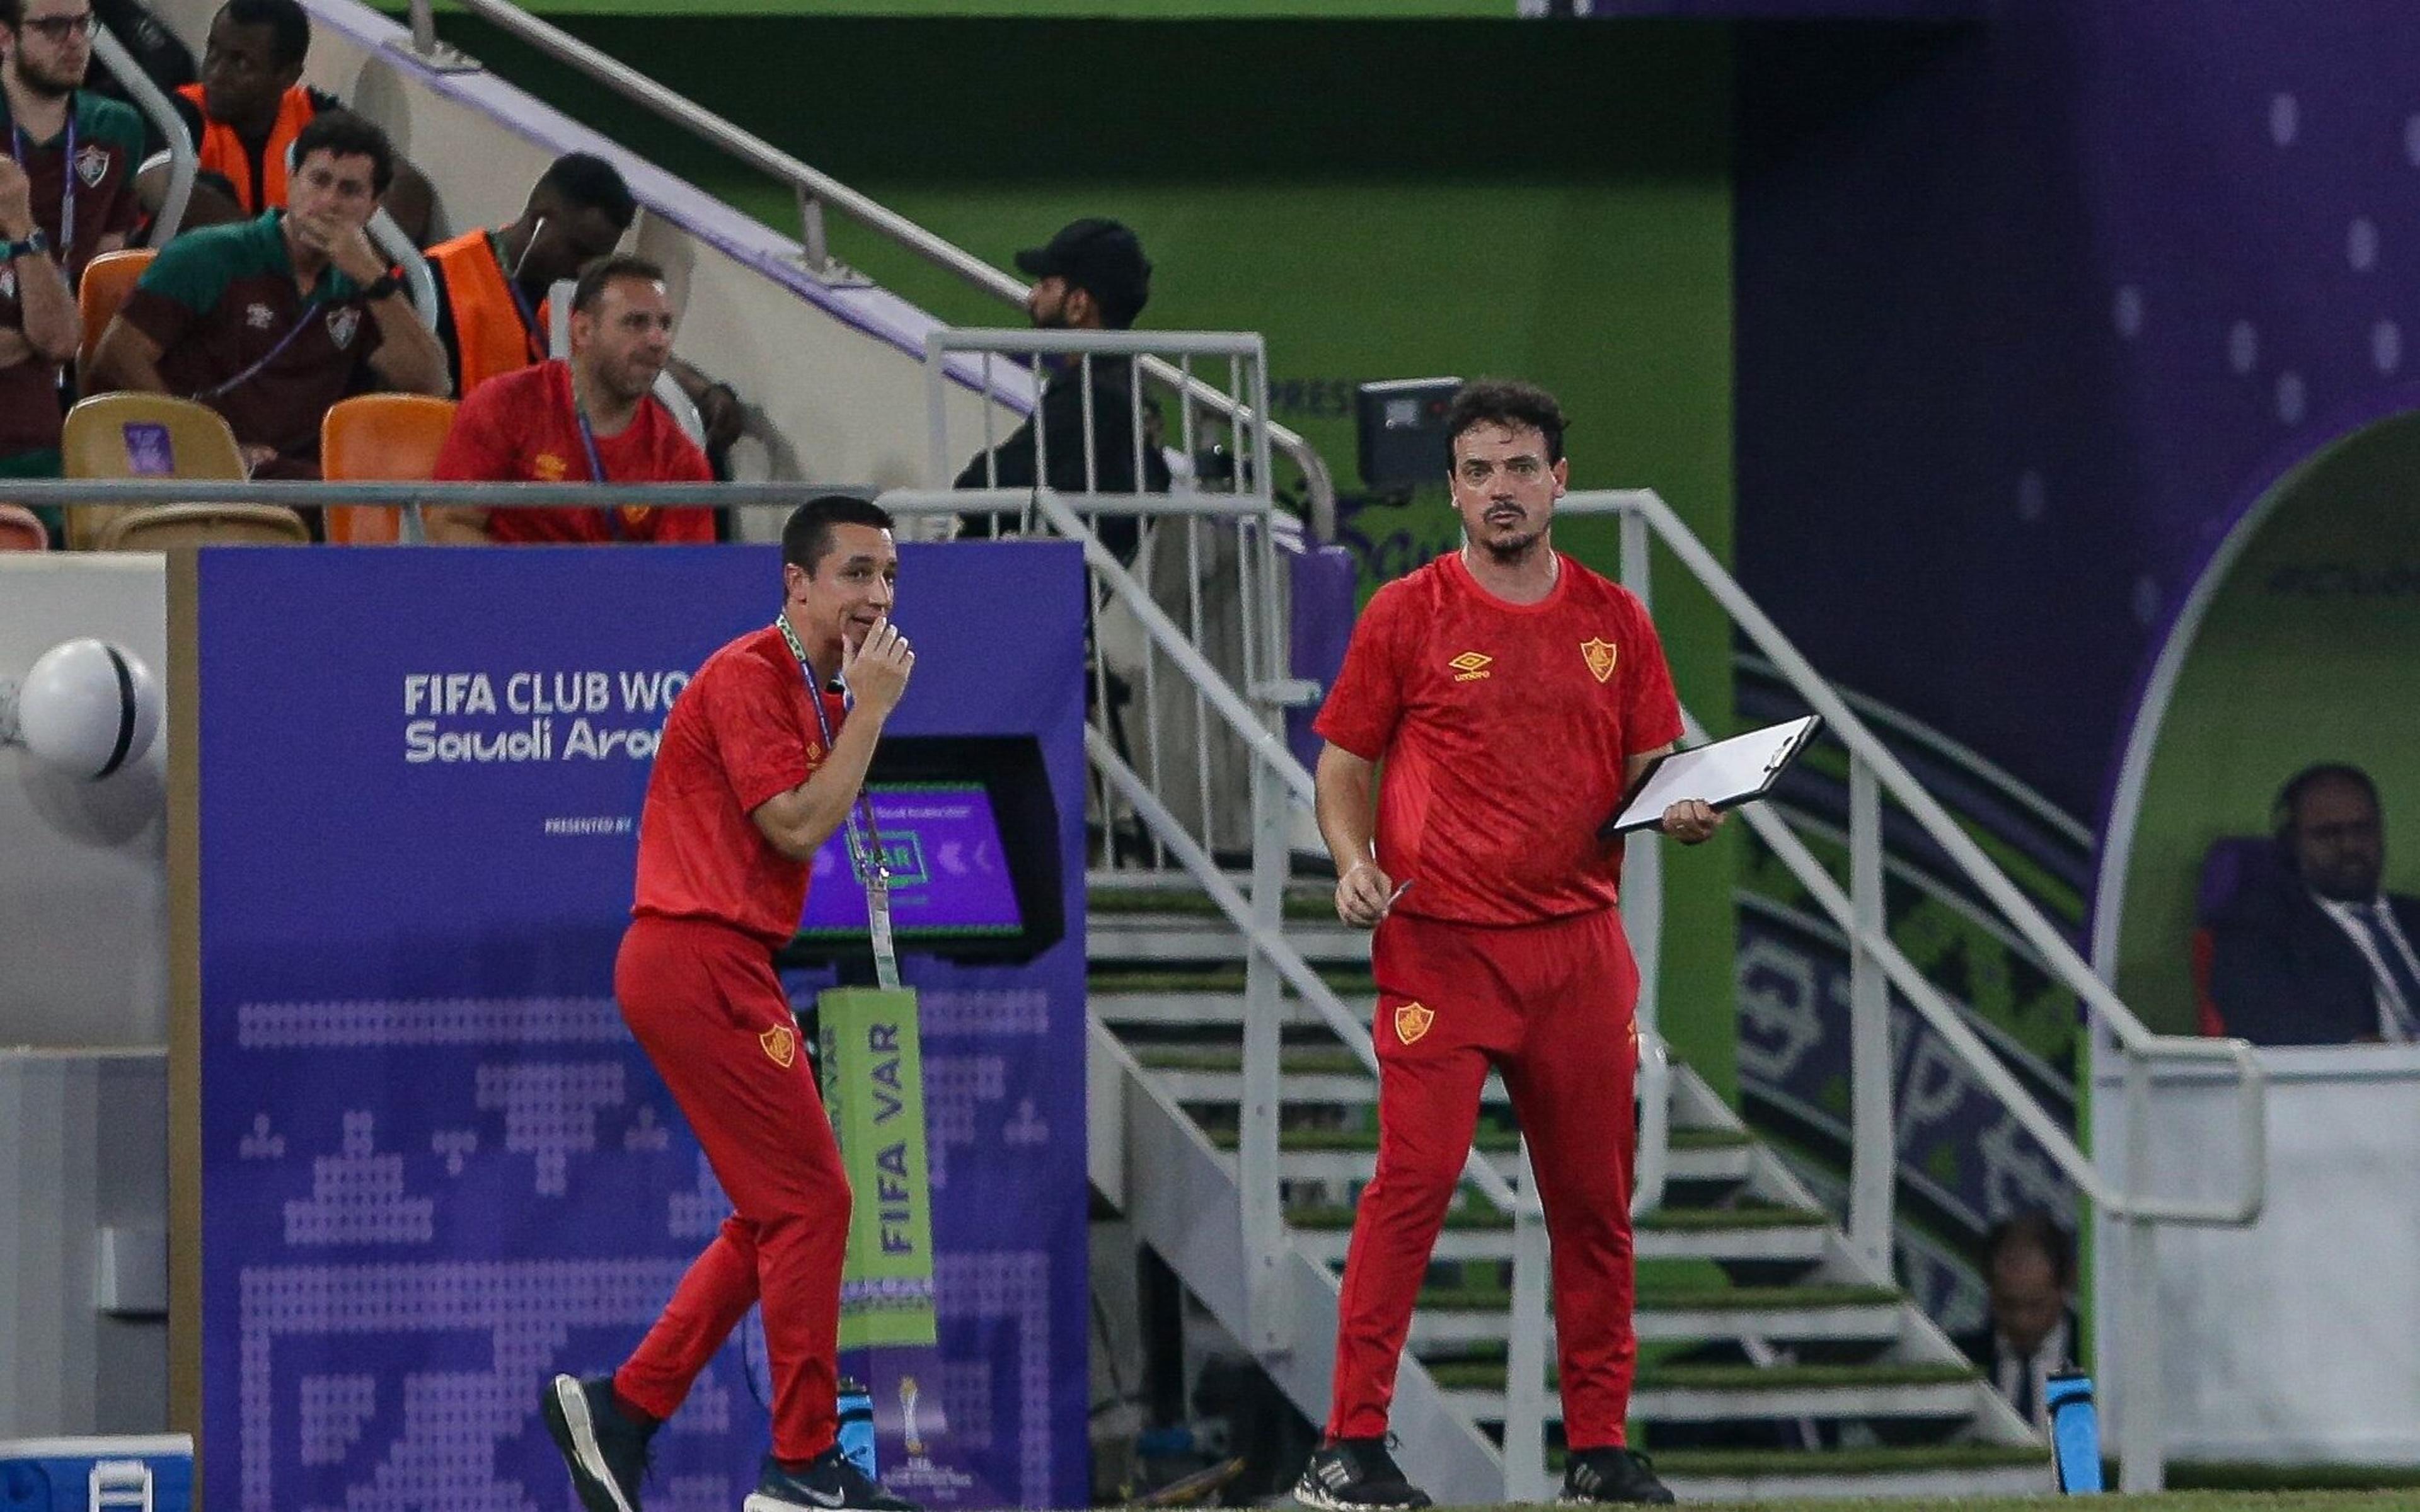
(435, 1168)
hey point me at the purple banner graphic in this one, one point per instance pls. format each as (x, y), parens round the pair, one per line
(949, 870)
(435, 1167)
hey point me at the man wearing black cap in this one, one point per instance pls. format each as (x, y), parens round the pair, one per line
(1093, 276)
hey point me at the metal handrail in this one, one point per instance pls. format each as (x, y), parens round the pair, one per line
(184, 163)
(817, 189)
(2058, 957)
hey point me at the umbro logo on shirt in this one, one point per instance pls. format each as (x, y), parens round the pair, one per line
(260, 316)
(1470, 666)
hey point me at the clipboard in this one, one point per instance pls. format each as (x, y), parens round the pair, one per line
(1724, 774)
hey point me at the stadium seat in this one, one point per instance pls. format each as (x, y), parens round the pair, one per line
(142, 436)
(160, 527)
(107, 280)
(379, 438)
(22, 529)
(2231, 868)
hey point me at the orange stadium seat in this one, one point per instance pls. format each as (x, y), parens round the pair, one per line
(379, 438)
(22, 529)
(107, 280)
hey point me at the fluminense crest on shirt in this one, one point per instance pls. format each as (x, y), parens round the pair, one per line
(1412, 1021)
(1600, 657)
(1470, 666)
(342, 322)
(781, 1044)
(92, 164)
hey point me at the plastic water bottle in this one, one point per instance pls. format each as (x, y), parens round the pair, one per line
(2074, 1433)
(857, 1426)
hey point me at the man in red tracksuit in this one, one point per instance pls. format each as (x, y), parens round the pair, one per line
(749, 782)
(1513, 696)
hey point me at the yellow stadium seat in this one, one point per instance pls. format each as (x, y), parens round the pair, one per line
(160, 527)
(142, 436)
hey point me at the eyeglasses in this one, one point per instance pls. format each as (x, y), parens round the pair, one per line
(59, 29)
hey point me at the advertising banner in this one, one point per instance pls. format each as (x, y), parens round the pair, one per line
(436, 1169)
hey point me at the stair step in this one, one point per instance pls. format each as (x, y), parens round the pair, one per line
(1458, 1317)
(1314, 903)
(1186, 937)
(1789, 1235)
(1349, 1156)
(1934, 1474)
(1101, 982)
(1705, 1394)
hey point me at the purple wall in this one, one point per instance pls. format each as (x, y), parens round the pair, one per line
(2030, 309)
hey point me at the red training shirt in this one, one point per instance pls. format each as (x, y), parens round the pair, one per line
(739, 734)
(522, 427)
(1504, 729)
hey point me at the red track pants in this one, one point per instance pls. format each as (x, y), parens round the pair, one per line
(705, 1003)
(1549, 1005)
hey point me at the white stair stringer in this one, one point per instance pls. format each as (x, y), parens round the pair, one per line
(1157, 1166)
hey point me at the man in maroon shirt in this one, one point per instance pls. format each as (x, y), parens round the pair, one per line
(749, 782)
(1513, 696)
(594, 418)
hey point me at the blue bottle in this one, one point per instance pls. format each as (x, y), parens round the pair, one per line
(2074, 1433)
(856, 1406)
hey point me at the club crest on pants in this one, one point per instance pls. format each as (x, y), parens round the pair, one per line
(1412, 1021)
(781, 1044)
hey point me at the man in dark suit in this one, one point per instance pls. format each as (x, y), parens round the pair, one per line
(2317, 953)
(2029, 1265)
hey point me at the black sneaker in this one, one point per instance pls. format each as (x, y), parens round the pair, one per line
(1357, 1476)
(831, 1481)
(605, 1450)
(1612, 1475)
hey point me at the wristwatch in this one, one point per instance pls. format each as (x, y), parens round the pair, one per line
(387, 282)
(36, 245)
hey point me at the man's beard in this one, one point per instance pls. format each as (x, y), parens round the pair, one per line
(48, 84)
(1510, 553)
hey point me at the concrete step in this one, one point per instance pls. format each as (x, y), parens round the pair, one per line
(1459, 1316)
(1699, 1155)
(1171, 936)
(1936, 1474)
(1789, 1235)
(1708, 1394)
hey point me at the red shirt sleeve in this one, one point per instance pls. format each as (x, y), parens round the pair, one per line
(755, 716)
(1651, 711)
(478, 448)
(1367, 702)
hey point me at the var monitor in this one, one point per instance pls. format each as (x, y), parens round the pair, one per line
(970, 833)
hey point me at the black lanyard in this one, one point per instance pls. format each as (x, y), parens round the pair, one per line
(865, 850)
(520, 300)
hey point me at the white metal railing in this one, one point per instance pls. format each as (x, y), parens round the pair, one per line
(817, 189)
(1877, 966)
(184, 163)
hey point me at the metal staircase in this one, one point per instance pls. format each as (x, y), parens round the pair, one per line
(1779, 1361)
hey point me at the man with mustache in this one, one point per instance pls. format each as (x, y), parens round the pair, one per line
(1514, 696)
(594, 418)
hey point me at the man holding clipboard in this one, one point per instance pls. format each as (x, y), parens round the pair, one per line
(1514, 698)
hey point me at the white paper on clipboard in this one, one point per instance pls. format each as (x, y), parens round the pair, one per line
(1727, 772)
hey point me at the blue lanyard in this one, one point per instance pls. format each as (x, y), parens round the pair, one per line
(865, 850)
(19, 148)
(254, 371)
(597, 466)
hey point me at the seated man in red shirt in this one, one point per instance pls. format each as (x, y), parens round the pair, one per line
(591, 417)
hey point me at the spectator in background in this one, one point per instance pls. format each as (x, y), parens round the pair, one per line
(1092, 276)
(166, 60)
(269, 321)
(249, 109)
(37, 331)
(594, 418)
(66, 196)
(2319, 953)
(2030, 1266)
(492, 286)
(80, 150)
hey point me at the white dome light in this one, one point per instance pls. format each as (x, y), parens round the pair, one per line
(87, 707)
